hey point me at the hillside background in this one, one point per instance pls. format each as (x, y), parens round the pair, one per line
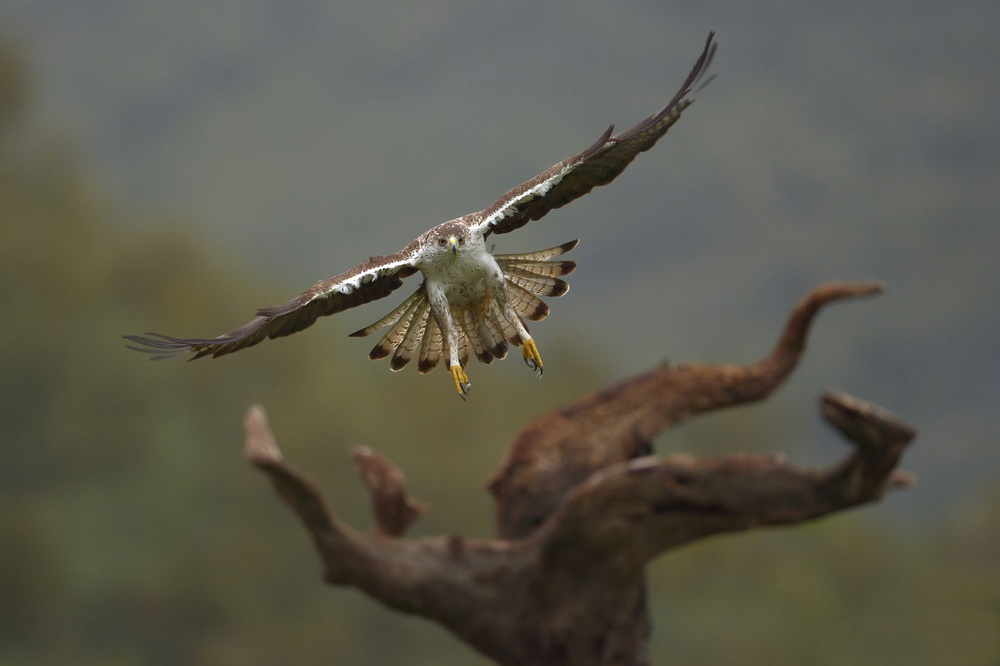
(173, 166)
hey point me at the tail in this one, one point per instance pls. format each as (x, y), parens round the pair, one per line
(536, 274)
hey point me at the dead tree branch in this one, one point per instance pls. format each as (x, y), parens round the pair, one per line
(560, 449)
(582, 507)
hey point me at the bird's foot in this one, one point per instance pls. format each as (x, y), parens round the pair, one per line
(462, 383)
(532, 357)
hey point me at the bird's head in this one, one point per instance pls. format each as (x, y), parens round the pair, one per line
(452, 243)
(451, 238)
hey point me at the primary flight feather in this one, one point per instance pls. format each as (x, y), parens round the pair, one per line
(470, 300)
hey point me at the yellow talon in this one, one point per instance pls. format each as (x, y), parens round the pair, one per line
(462, 382)
(532, 357)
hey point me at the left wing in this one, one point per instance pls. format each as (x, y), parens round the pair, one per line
(597, 165)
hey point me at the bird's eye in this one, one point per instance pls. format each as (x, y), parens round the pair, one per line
(461, 240)
(441, 241)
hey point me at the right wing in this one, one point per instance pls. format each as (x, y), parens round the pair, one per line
(376, 278)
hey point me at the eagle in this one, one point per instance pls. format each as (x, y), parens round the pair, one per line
(470, 299)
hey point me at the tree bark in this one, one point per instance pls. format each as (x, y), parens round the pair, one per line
(582, 507)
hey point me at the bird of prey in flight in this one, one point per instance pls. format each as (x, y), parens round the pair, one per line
(470, 298)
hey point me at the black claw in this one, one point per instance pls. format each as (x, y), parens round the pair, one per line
(533, 364)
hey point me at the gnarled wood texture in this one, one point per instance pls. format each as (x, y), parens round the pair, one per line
(582, 507)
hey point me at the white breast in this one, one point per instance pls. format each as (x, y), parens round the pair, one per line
(465, 277)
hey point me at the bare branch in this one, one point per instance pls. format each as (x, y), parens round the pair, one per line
(447, 579)
(302, 495)
(560, 449)
(259, 447)
(394, 509)
(635, 510)
(879, 438)
(572, 591)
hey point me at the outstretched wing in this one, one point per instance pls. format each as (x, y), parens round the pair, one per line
(597, 165)
(376, 278)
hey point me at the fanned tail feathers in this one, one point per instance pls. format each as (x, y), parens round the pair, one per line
(411, 340)
(413, 329)
(539, 255)
(535, 273)
(394, 336)
(431, 347)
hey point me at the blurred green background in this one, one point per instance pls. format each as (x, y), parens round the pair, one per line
(173, 166)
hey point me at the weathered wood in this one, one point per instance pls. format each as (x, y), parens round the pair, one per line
(582, 508)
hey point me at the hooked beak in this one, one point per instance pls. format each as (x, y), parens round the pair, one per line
(453, 245)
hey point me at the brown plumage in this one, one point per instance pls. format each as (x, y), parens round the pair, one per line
(527, 277)
(470, 300)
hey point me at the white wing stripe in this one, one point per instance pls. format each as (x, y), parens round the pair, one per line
(537, 191)
(355, 282)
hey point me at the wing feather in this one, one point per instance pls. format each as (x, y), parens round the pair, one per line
(376, 278)
(597, 165)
